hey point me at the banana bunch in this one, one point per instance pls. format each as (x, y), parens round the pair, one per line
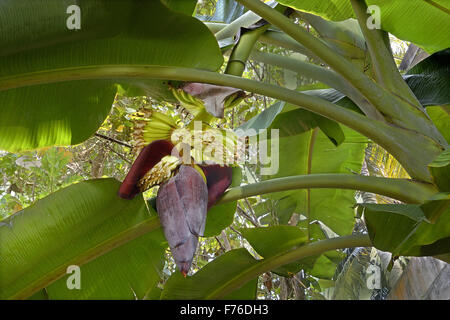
(159, 126)
(234, 99)
(192, 104)
(150, 125)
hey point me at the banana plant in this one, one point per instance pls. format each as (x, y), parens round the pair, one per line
(57, 84)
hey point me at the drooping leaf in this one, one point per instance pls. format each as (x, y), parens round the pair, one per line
(434, 207)
(68, 113)
(285, 207)
(70, 227)
(403, 229)
(311, 152)
(271, 241)
(441, 118)
(293, 121)
(430, 79)
(263, 120)
(219, 217)
(300, 120)
(350, 279)
(129, 272)
(440, 170)
(207, 282)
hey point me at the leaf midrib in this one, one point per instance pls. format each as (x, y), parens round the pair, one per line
(104, 247)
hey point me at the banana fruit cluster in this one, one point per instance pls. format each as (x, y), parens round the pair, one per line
(151, 125)
(189, 102)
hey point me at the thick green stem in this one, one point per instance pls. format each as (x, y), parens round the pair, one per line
(400, 189)
(386, 71)
(303, 68)
(412, 150)
(398, 110)
(350, 118)
(281, 39)
(281, 259)
(321, 74)
(241, 51)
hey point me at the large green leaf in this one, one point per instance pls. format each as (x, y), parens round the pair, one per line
(71, 227)
(429, 18)
(208, 281)
(294, 120)
(350, 280)
(129, 272)
(312, 152)
(147, 33)
(403, 229)
(183, 6)
(300, 120)
(270, 241)
(232, 275)
(441, 118)
(440, 170)
(219, 217)
(430, 79)
(264, 119)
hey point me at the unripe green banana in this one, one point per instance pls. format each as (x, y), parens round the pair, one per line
(163, 118)
(159, 126)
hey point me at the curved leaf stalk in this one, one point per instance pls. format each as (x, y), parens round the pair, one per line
(414, 151)
(329, 77)
(271, 263)
(386, 71)
(395, 108)
(400, 189)
(281, 39)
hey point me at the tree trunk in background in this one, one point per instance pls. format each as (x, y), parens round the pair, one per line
(97, 163)
(424, 278)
